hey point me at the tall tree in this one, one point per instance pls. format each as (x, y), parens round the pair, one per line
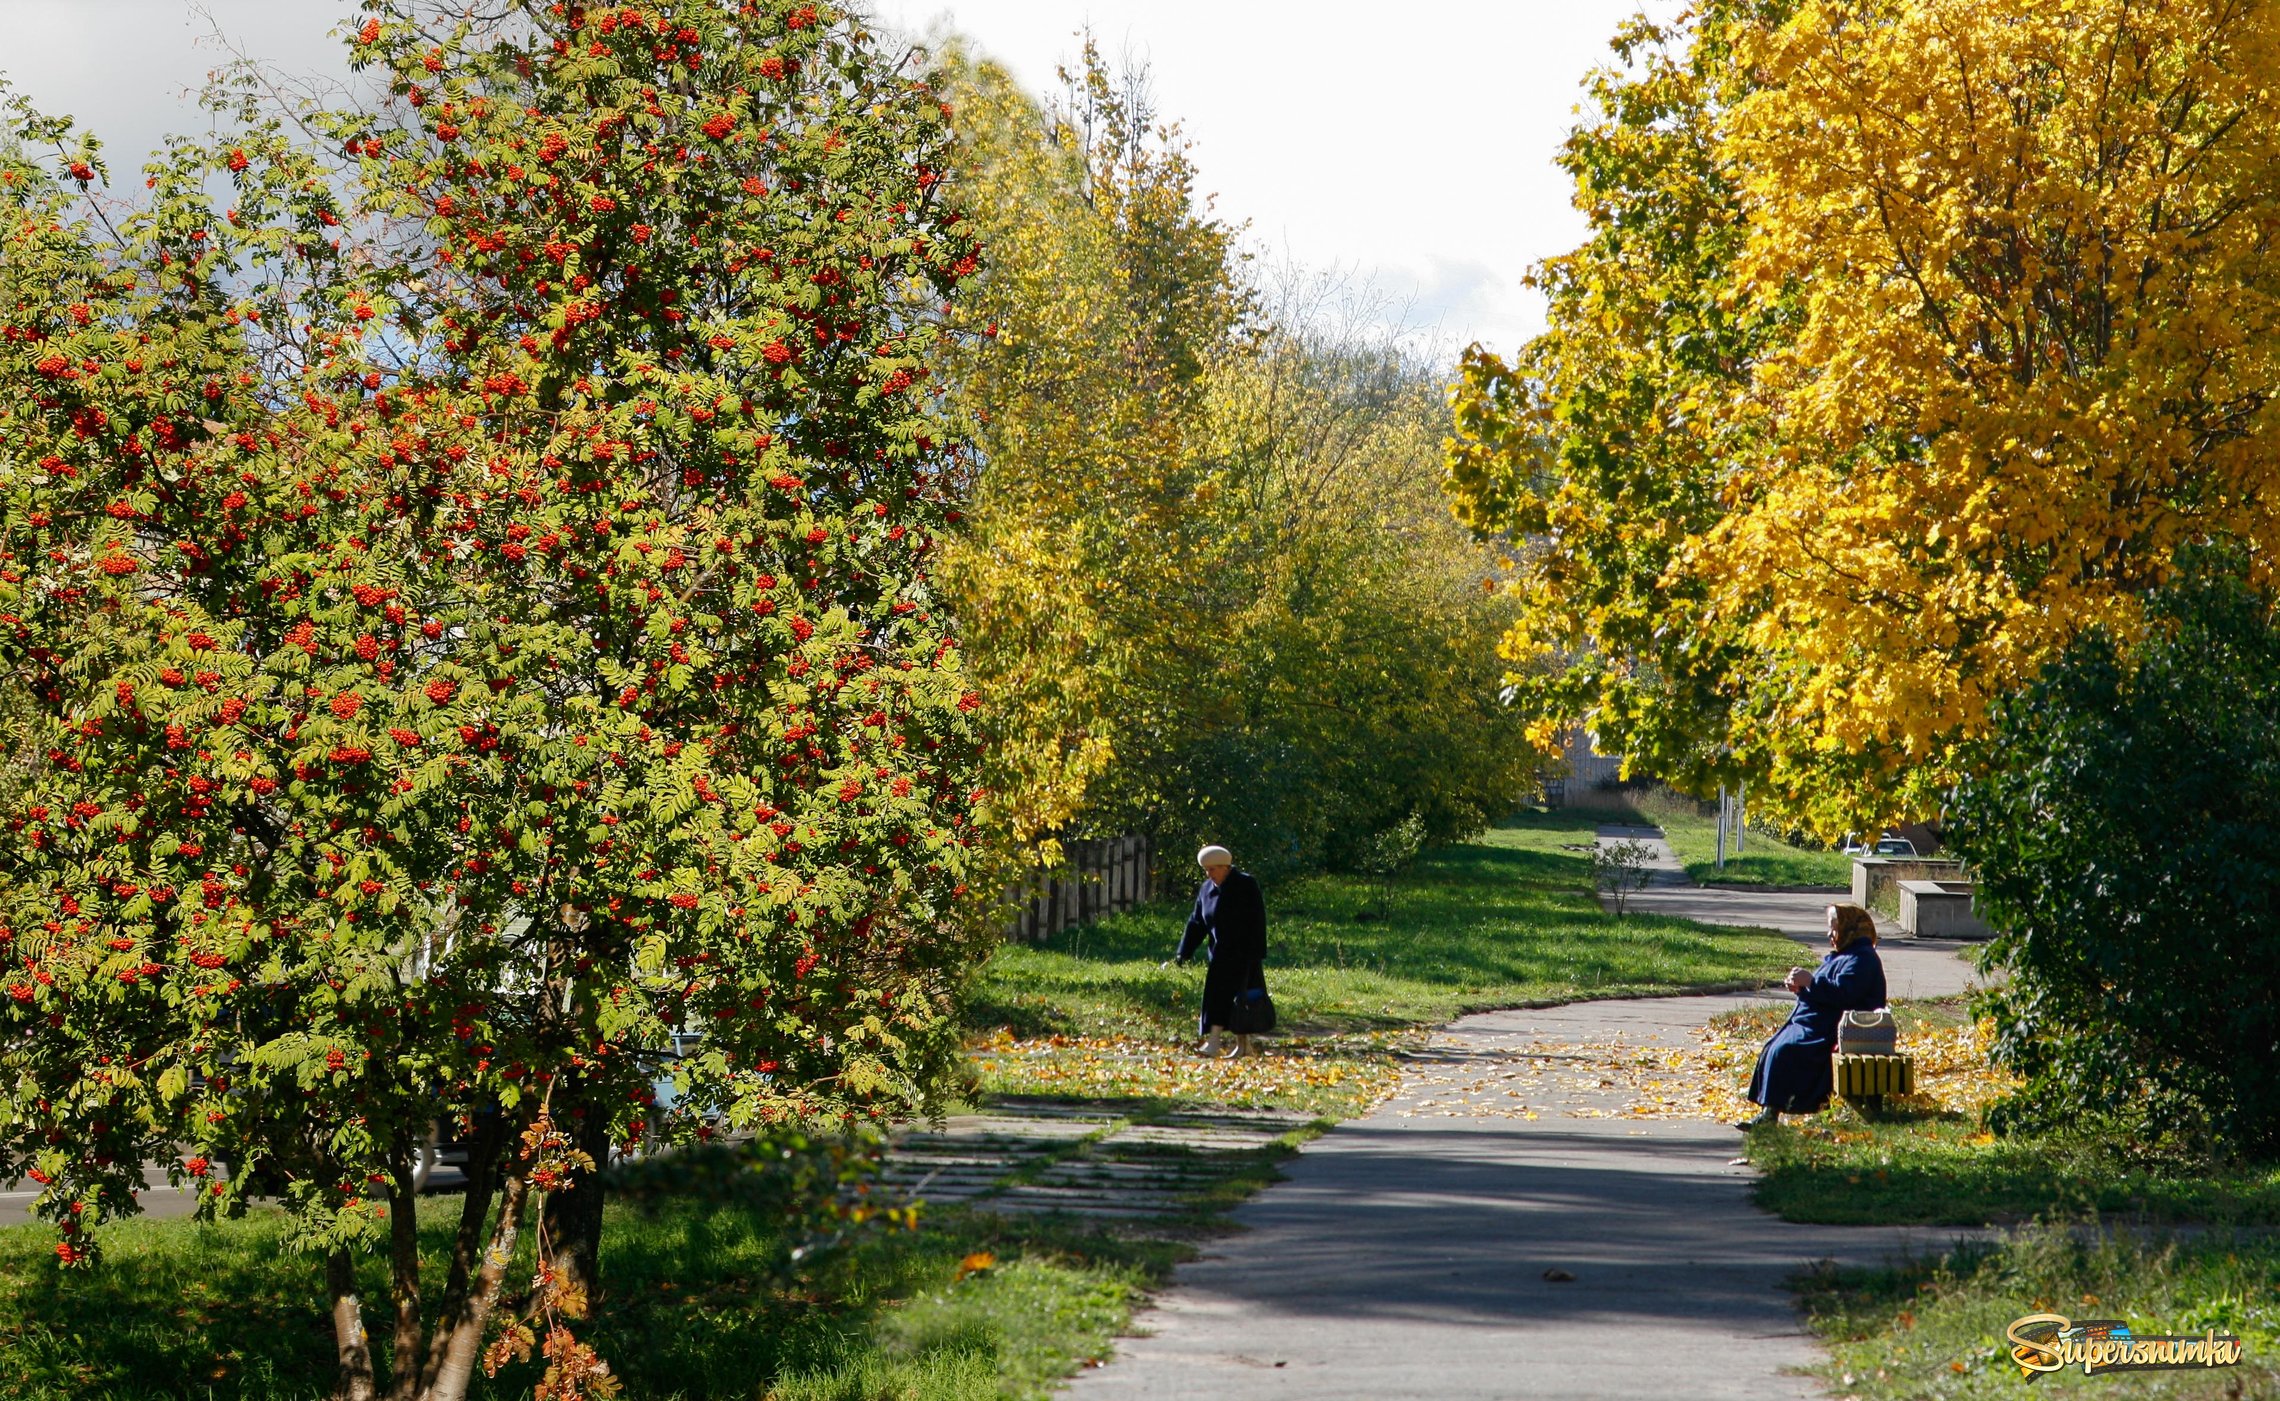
(478, 596)
(2013, 261)
(1324, 678)
(1108, 291)
(1209, 576)
(1599, 452)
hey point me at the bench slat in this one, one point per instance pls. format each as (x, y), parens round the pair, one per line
(1876, 1075)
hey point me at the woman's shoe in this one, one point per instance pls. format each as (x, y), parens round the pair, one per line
(1766, 1120)
(1209, 1047)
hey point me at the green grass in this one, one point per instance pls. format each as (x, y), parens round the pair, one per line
(701, 1300)
(1943, 1171)
(1766, 860)
(1934, 1331)
(1505, 920)
(1922, 1167)
(699, 1305)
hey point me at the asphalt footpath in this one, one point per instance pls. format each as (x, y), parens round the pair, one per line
(1573, 1256)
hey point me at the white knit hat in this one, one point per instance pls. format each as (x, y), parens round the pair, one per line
(1212, 856)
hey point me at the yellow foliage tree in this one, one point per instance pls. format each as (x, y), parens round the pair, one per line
(1106, 294)
(2015, 270)
(1207, 583)
(1595, 451)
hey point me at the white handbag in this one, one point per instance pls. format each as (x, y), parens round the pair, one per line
(1868, 1034)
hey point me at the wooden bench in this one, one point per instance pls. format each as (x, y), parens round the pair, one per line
(1864, 1081)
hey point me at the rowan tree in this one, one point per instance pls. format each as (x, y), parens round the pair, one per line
(475, 584)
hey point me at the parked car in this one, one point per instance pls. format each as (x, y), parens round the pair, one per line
(1887, 845)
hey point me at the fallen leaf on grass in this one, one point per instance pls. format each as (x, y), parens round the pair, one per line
(1358, 1071)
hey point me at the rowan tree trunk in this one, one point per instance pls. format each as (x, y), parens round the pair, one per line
(404, 1272)
(348, 1329)
(574, 1216)
(466, 1248)
(464, 1342)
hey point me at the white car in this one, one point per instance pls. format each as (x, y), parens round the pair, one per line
(1886, 845)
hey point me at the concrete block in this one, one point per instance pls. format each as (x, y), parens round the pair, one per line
(1932, 909)
(1876, 879)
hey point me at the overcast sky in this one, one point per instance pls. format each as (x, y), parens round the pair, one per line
(1410, 144)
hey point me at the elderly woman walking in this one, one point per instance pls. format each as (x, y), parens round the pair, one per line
(1231, 914)
(1795, 1072)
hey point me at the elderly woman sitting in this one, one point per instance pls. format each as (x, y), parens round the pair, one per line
(1795, 1072)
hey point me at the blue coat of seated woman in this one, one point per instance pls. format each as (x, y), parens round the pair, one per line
(1796, 1071)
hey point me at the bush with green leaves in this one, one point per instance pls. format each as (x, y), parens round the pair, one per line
(2124, 828)
(1620, 867)
(1386, 855)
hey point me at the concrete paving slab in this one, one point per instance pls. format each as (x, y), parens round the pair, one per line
(1022, 1207)
(1115, 1170)
(1202, 1138)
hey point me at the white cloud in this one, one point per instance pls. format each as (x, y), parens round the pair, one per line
(1410, 143)
(130, 70)
(1413, 141)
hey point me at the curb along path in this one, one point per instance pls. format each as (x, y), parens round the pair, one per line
(1024, 1156)
(1406, 1252)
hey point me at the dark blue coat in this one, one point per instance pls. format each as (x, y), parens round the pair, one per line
(1796, 1071)
(1232, 918)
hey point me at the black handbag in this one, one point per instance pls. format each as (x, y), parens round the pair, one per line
(1253, 1012)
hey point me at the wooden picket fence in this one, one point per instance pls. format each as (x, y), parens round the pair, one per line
(1095, 878)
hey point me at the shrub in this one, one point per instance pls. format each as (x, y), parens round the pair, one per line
(2124, 826)
(1620, 868)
